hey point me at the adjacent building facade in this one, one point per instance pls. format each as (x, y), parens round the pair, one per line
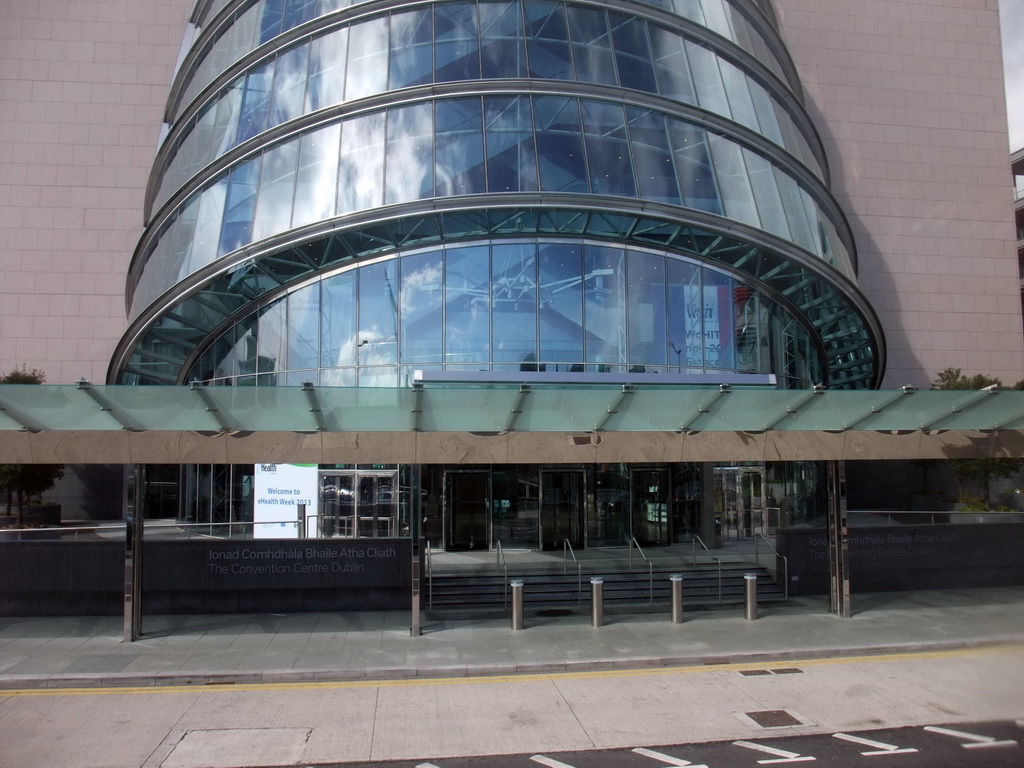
(546, 193)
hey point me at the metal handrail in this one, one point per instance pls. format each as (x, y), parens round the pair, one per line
(430, 573)
(650, 566)
(785, 563)
(502, 567)
(567, 549)
(698, 540)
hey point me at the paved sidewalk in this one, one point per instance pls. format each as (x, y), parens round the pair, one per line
(179, 650)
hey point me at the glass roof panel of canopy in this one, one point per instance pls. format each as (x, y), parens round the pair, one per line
(495, 407)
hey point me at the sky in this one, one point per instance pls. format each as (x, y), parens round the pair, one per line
(1011, 13)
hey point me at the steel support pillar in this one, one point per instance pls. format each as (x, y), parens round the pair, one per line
(838, 539)
(135, 492)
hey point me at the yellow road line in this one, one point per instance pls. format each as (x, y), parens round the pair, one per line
(215, 687)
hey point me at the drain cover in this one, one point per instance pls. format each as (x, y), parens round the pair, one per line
(773, 718)
(754, 672)
(788, 671)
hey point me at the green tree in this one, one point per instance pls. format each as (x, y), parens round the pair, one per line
(978, 473)
(23, 482)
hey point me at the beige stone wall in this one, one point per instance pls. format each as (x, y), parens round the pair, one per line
(83, 85)
(908, 96)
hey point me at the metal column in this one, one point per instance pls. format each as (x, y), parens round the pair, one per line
(838, 539)
(134, 493)
(417, 579)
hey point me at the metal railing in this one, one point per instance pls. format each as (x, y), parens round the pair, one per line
(429, 565)
(650, 566)
(566, 551)
(502, 567)
(694, 541)
(785, 563)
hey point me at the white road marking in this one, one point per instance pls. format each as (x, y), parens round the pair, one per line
(880, 747)
(550, 762)
(977, 741)
(784, 756)
(426, 765)
(666, 758)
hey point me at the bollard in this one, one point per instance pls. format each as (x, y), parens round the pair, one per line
(597, 601)
(751, 580)
(677, 597)
(517, 603)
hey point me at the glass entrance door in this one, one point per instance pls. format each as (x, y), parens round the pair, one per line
(649, 496)
(358, 503)
(561, 512)
(467, 496)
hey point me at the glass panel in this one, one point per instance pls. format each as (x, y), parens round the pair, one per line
(327, 70)
(708, 79)
(733, 181)
(650, 499)
(672, 68)
(559, 145)
(298, 12)
(645, 297)
(561, 305)
(317, 181)
(685, 331)
(255, 102)
(561, 513)
(547, 39)
(655, 174)
(693, 166)
(304, 327)
(378, 314)
(422, 308)
(604, 129)
(738, 94)
(367, 59)
(361, 170)
(502, 43)
(338, 325)
(277, 184)
(765, 107)
(468, 499)
(591, 45)
(271, 346)
(633, 53)
(766, 193)
(467, 305)
(796, 214)
(605, 309)
(239, 207)
(718, 320)
(410, 153)
(457, 51)
(511, 157)
(514, 304)
(337, 504)
(609, 526)
(460, 147)
(411, 48)
(272, 19)
(515, 508)
(289, 85)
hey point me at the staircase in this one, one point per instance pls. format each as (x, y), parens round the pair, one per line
(547, 588)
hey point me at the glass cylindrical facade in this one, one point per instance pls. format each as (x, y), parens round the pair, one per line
(350, 191)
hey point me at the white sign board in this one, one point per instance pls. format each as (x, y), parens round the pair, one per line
(279, 489)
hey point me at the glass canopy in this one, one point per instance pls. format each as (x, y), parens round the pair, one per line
(534, 406)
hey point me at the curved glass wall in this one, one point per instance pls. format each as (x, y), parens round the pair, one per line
(256, 24)
(466, 41)
(536, 305)
(469, 145)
